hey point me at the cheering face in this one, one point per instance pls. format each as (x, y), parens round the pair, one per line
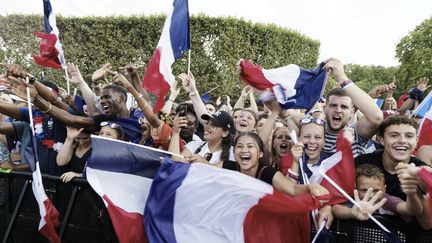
(247, 153)
(109, 132)
(338, 111)
(399, 142)
(110, 102)
(213, 133)
(246, 122)
(282, 142)
(363, 183)
(312, 136)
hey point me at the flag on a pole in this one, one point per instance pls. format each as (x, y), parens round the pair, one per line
(174, 41)
(340, 168)
(293, 86)
(50, 48)
(122, 178)
(201, 203)
(47, 210)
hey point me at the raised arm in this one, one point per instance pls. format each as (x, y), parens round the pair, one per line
(88, 95)
(174, 92)
(188, 83)
(369, 123)
(65, 154)
(132, 71)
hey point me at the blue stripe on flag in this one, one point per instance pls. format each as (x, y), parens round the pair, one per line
(130, 158)
(179, 29)
(47, 12)
(168, 179)
(424, 106)
(309, 87)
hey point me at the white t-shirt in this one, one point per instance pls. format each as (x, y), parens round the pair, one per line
(194, 145)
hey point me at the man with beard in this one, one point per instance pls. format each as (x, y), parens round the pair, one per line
(398, 135)
(339, 108)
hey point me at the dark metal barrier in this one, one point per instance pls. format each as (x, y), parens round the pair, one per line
(83, 216)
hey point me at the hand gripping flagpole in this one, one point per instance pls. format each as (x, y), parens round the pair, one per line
(314, 212)
(335, 185)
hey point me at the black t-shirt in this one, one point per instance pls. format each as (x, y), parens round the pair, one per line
(264, 173)
(393, 186)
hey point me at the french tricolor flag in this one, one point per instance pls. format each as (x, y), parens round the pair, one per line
(122, 178)
(201, 203)
(48, 212)
(175, 40)
(340, 168)
(424, 106)
(293, 86)
(50, 49)
(190, 203)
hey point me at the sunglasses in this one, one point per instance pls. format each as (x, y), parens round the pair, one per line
(308, 120)
(112, 125)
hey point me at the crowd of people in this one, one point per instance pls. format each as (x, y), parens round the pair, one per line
(252, 139)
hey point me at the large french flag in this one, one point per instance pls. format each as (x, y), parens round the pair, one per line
(424, 106)
(201, 203)
(122, 178)
(340, 168)
(50, 48)
(175, 40)
(293, 86)
(48, 212)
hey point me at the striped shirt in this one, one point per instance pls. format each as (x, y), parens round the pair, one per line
(358, 146)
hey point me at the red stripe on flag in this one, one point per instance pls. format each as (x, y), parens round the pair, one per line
(154, 82)
(51, 221)
(343, 173)
(48, 53)
(129, 227)
(253, 75)
(280, 218)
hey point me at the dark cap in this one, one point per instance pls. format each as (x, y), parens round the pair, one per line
(221, 119)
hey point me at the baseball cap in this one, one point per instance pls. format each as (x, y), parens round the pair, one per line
(221, 119)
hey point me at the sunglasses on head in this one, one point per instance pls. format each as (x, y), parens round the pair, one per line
(112, 125)
(308, 120)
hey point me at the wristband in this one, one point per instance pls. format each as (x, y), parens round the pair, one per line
(346, 83)
(192, 93)
(293, 175)
(49, 108)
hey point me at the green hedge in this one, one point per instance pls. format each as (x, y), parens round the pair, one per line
(217, 45)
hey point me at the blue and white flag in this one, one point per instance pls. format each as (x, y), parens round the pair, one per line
(294, 87)
(424, 106)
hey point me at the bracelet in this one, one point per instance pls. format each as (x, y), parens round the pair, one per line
(346, 83)
(293, 175)
(49, 108)
(192, 93)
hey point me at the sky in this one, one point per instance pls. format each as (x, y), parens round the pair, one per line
(363, 32)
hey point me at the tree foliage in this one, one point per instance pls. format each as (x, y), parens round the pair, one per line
(414, 52)
(217, 45)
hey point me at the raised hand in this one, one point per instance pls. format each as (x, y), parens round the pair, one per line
(73, 132)
(367, 205)
(336, 67)
(422, 84)
(188, 82)
(19, 88)
(15, 70)
(121, 80)
(130, 69)
(75, 76)
(101, 72)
